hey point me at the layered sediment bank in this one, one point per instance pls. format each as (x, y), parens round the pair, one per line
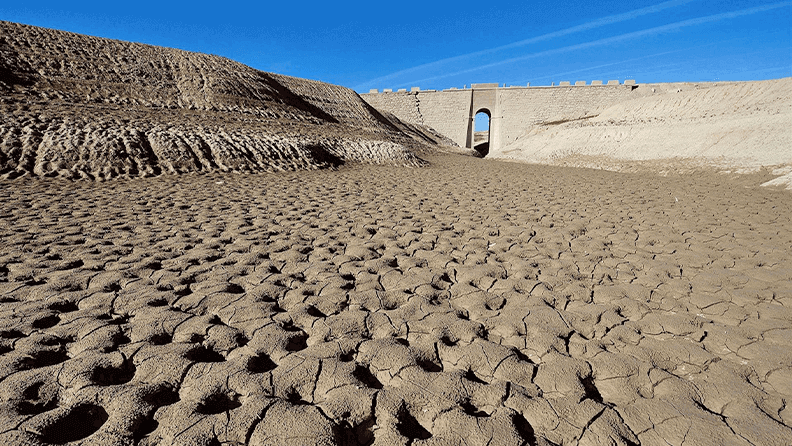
(77, 106)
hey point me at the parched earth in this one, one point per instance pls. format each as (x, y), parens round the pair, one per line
(730, 126)
(469, 302)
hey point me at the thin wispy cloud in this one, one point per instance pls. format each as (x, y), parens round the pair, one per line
(609, 40)
(604, 21)
(621, 62)
(552, 76)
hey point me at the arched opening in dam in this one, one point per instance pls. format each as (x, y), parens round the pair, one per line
(481, 134)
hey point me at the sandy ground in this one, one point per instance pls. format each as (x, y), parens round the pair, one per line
(731, 126)
(470, 302)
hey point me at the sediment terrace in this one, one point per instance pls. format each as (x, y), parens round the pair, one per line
(732, 126)
(84, 107)
(469, 302)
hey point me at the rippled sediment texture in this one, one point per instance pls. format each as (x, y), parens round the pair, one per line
(471, 301)
(76, 106)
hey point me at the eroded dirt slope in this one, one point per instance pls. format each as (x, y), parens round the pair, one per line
(742, 125)
(471, 302)
(80, 106)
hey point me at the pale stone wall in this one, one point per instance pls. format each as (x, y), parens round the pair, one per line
(400, 104)
(448, 112)
(512, 109)
(445, 111)
(522, 108)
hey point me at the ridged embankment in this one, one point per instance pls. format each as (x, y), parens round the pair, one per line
(77, 106)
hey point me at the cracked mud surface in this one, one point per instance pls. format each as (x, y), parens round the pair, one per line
(469, 302)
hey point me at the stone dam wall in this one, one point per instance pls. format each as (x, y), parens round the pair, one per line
(511, 109)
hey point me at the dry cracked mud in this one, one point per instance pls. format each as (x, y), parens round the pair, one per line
(469, 302)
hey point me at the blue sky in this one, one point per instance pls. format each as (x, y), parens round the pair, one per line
(436, 45)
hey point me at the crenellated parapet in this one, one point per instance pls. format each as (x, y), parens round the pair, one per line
(594, 83)
(512, 109)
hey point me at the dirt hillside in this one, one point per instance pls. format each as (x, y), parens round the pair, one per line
(735, 126)
(80, 106)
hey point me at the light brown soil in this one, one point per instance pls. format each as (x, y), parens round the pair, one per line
(472, 301)
(76, 106)
(727, 126)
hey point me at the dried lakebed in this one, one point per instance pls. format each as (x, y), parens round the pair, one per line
(471, 302)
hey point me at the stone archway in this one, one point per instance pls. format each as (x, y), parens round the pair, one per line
(484, 98)
(481, 132)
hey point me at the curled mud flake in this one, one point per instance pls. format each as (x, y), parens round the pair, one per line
(409, 427)
(260, 364)
(35, 401)
(11, 334)
(63, 306)
(360, 434)
(473, 411)
(314, 312)
(196, 338)
(46, 322)
(152, 265)
(234, 289)
(183, 291)
(294, 397)
(447, 341)
(117, 339)
(471, 376)
(164, 395)
(219, 403)
(429, 365)
(120, 319)
(241, 340)
(364, 375)
(44, 358)
(297, 343)
(79, 422)
(158, 302)
(524, 429)
(146, 427)
(111, 287)
(203, 354)
(591, 389)
(161, 338)
(111, 376)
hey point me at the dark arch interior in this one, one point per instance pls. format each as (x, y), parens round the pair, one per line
(481, 132)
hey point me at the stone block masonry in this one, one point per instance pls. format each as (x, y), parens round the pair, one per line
(445, 111)
(523, 108)
(512, 110)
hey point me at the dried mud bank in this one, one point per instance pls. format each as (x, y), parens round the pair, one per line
(470, 302)
(740, 126)
(76, 106)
